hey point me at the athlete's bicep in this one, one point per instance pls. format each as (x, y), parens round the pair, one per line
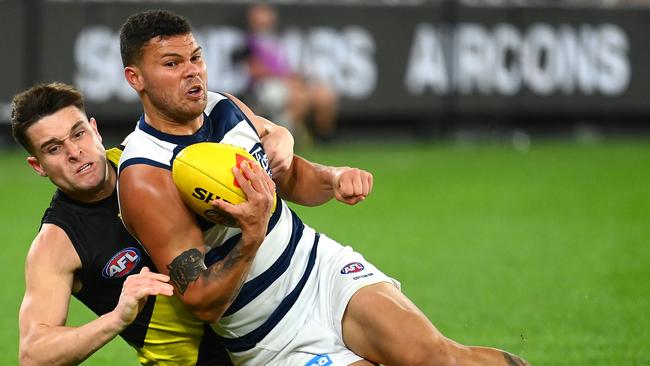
(49, 275)
(155, 214)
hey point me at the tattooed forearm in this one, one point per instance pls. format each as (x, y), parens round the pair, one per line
(223, 268)
(234, 257)
(185, 268)
(189, 266)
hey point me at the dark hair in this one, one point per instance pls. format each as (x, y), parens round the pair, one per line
(39, 101)
(141, 27)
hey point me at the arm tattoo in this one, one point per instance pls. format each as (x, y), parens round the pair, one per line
(223, 267)
(185, 268)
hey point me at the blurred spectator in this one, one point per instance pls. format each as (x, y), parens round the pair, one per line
(278, 91)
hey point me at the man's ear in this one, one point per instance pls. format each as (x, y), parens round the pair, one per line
(36, 165)
(132, 76)
(93, 125)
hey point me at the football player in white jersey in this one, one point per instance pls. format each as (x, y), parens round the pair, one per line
(320, 304)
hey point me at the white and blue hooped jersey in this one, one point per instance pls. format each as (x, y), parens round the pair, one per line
(280, 274)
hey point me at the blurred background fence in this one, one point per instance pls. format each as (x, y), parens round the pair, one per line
(423, 66)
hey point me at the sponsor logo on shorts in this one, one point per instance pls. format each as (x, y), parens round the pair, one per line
(352, 268)
(320, 360)
(122, 263)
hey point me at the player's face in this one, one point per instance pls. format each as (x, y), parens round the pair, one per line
(174, 77)
(68, 149)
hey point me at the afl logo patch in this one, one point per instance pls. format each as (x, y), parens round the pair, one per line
(352, 268)
(122, 263)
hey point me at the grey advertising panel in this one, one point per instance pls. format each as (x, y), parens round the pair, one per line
(401, 61)
(554, 60)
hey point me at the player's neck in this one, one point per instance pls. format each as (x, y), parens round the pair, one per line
(170, 126)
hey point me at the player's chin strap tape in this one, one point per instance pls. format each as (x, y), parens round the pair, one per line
(113, 154)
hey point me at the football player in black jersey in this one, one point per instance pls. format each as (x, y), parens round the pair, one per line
(82, 248)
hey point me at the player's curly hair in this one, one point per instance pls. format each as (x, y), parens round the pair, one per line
(37, 102)
(141, 27)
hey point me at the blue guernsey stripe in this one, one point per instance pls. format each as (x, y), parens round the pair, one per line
(127, 163)
(249, 340)
(259, 284)
(202, 134)
(218, 253)
(228, 115)
(276, 215)
(176, 151)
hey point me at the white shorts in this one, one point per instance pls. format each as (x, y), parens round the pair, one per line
(318, 339)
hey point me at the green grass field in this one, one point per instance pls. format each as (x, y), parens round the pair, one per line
(545, 253)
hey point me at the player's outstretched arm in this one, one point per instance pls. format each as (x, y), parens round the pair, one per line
(154, 212)
(299, 180)
(49, 276)
(312, 184)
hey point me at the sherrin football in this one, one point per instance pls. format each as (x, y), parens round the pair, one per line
(203, 172)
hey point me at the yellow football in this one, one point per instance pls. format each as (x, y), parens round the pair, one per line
(203, 172)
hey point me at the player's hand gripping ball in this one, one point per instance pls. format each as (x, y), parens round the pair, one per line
(203, 172)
